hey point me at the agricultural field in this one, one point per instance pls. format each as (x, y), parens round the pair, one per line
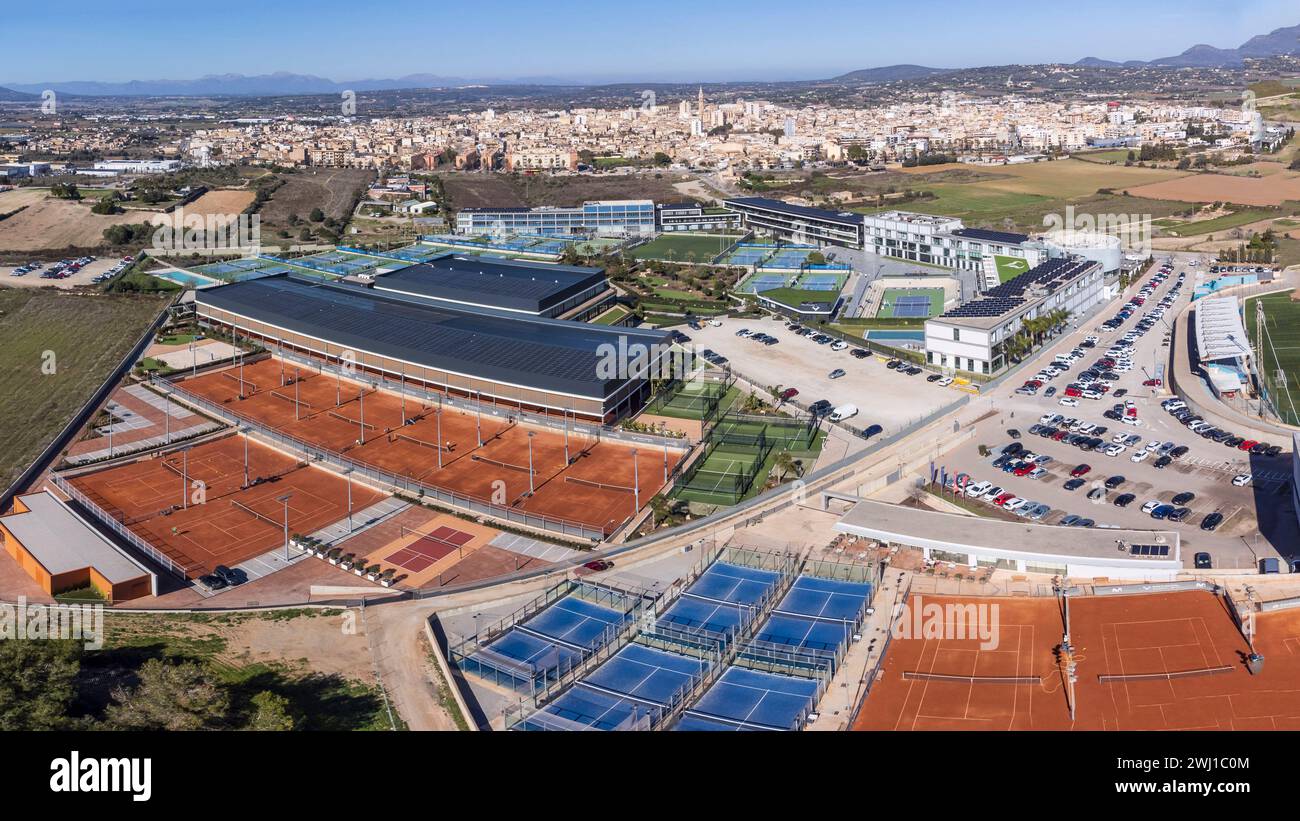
(46, 223)
(1227, 222)
(80, 338)
(1273, 190)
(220, 203)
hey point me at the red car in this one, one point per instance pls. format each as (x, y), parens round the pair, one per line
(1034, 383)
(1025, 469)
(788, 394)
(1059, 435)
(1247, 445)
(1153, 383)
(1073, 392)
(1081, 470)
(1003, 499)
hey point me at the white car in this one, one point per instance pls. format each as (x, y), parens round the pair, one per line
(715, 323)
(993, 493)
(1115, 450)
(1130, 420)
(1151, 505)
(945, 382)
(1015, 504)
(978, 490)
(839, 346)
(1069, 402)
(1241, 480)
(1140, 456)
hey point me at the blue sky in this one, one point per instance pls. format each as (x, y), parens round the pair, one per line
(651, 40)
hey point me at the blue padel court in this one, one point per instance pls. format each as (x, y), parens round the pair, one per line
(637, 682)
(757, 283)
(818, 615)
(748, 254)
(722, 599)
(552, 641)
(744, 699)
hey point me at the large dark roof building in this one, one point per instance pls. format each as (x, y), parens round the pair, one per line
(526, 288)
(537, 364)
(799, 223)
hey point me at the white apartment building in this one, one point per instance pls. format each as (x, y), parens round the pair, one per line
(972, 336)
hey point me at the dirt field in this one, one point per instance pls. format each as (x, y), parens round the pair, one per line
(224, 203)
(1059, 178)
(1271, 190)
(332, 190)
(53, 223)
(1125, 647)
(516, 190)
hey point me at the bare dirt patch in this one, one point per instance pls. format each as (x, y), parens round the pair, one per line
(1274, 189)
(54, 223)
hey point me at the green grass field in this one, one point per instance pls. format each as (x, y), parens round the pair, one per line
(791, 439)
(890, 299)
(697, 248)
(55, 349)
(1224, 223)
(1282, 351)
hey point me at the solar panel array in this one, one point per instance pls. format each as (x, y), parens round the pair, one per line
(1011, 294)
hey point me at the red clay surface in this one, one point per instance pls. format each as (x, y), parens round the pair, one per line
(148, 497)
(334, 414)
(1112, 635)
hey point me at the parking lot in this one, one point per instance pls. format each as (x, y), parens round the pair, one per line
(1255, 516)
(33, 279)
(883, 397)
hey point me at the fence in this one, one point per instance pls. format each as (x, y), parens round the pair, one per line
(538, 419)
(424, 491)
(118, 527)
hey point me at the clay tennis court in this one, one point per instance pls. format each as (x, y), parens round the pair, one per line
(440, 447)
(1029, 630)
(225, 523)
(1172, 661)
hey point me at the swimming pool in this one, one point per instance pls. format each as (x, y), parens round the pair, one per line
(887, 337)
(189, 280)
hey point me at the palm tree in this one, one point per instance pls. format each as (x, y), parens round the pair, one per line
(784, 464)
(774, 391)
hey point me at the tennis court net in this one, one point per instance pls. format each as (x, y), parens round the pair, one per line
(266, 519)
(602, 485)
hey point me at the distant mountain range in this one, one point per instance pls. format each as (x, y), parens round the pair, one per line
(1278, 42)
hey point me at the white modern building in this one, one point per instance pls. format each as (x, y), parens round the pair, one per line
(1023, 547)
(973, 336)
(1222, 347)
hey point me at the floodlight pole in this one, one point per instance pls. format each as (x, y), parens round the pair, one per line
(280, 345)
(185, 479)
(478, 416)
(167, 416)
(566, 436)
(285, 499)
(338, 387)
(296, 379)
(246, 457)
(241, 374)
(194, 356)
(636, 483)
(361, 393)
(530, 463)
(403, 395)
(665, 463)
(440, 442)
(348, 474)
